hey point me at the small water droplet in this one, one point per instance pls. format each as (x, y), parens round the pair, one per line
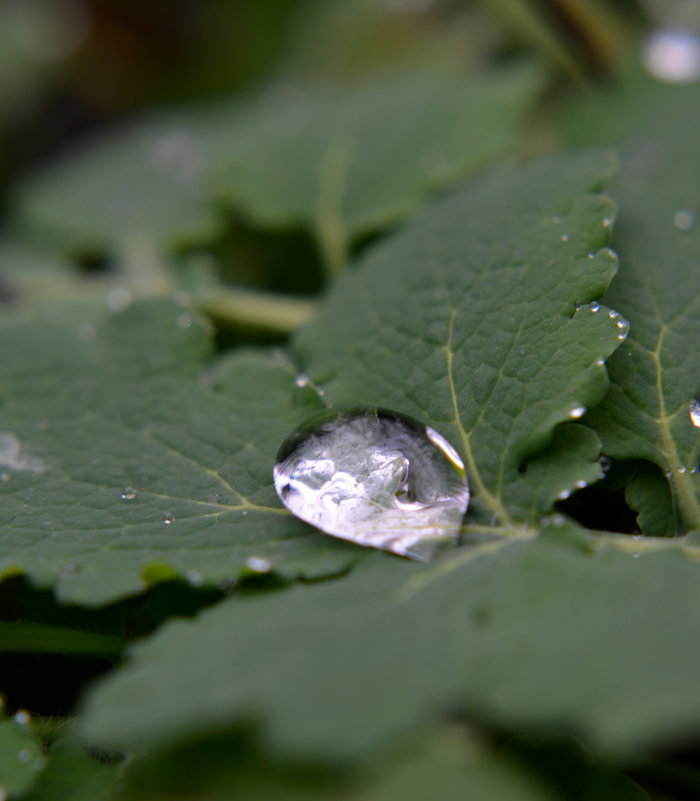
(374, 477)
(668, 474)
(168, 520)
(613, 315)
(608, 221)
(68, 571)
(194, 578)
(694, 469)
(605, 463)
(600, 361)
(576, 412)
(595, 306)
(564, 494)
(580, 484)
(25, 755)
(564, 237)
(245, 512)
(672, 56)
(694, 411)
(22, 717)
(591, 255)
(621, 323)
(258, 564)
(684, 220)
(184, 321)
(302, 381)
(128, 494)
(118, 299)
(681, 469)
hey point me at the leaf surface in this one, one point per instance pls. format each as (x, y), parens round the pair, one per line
(21, 758)
(479, 318)
(655, 377)
(121, 413)
(525, 635)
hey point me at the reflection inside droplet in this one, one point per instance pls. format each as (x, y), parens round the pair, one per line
(375, 477)
(694, 412)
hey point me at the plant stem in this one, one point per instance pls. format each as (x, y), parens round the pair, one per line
(255, 308)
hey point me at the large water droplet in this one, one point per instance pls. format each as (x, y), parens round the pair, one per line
(128, 494)
(375, 477)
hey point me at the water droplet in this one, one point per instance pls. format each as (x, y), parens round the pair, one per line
(168, 519)
(595, 306)
(681, 469)
(184, 321)
(22, 717)
(600, 361)
(621, 323)
(608, 221)
(684, 220)
(68, 571)
(128, 494)
(613, 315)
(302, 381)
(668, 474)
(694, 469)
(374, 477)
(605, 462)
(258, 564)
(580, 484)
(118, 299)
(564, 494)
(591, 255)
(564, 237)
(194, 578)
(25, 755)
(245, 512)
(576, 412)
(694, 411)
(672, 56)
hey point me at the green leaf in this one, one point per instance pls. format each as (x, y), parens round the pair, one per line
(655, 376)
(331, 160)
(649, 493)
(467, 320)
(326, 159)
(516, 634)
(478, 318)
(446, 763)
(72, 775)
(83, 419)
(21, 758)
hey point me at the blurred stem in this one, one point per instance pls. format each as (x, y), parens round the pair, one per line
(254, 308)
(40, 638)
(330, 226)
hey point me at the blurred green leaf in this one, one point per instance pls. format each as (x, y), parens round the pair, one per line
(527, 635)
(21, 758)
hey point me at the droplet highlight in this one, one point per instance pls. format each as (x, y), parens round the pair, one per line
(673, 56)
(168, 520)
(694, 412)
(683, 220)
(375, 477)
(128, 494)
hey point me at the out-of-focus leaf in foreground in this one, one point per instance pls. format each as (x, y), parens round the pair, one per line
(527, 634)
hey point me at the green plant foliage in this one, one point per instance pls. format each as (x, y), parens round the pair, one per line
(21, 758)
(410, 210)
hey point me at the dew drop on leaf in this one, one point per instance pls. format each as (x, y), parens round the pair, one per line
(168, 520)
(374, 477)
(128, 494)
(684, 220)
(576, 412)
